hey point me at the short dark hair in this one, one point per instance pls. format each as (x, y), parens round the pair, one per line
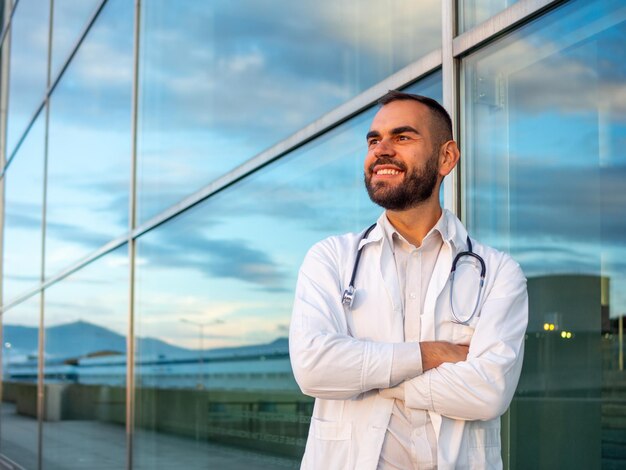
(441, 124)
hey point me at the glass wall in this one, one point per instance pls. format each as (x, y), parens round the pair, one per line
(215, 285)
(473, 12)
(28, 66)
(18, 408)
(86, 326)
(89, 142)
(69, 20)
(251, 76)
(23, 215)
(544, 127)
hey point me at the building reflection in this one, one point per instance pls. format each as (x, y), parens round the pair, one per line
(247, 396)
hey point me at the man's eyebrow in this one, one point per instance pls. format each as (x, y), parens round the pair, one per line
(371, 134)
(395, 131)
(403, 129)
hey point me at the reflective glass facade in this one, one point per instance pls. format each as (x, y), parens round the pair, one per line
(544, 178)
(27, 71)
(165, 167)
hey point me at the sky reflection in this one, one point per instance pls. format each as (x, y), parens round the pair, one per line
(550, 187)
(249, 77)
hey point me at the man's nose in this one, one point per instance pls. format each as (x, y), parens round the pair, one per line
(384, 147)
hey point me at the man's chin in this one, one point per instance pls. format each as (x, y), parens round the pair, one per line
(383, 199)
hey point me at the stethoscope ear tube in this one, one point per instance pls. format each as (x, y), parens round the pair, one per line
(347, 298)
(483, 272)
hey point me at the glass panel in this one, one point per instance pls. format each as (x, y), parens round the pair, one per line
(214, 292)
(69, 21)
(86, 321)
(474, 12)
(28, 66)
(89, 142)
(23, 215)
(545, 125)
(18, 419)
(251, 76)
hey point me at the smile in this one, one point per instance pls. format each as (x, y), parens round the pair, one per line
(387, 171)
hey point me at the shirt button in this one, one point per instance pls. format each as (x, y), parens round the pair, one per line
(412, 295)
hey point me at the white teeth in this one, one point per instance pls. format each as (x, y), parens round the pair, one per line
(387, 172)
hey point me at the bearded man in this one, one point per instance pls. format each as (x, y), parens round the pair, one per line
(410, 334)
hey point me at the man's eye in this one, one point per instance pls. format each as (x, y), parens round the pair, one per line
(372, 142)
(403, 137)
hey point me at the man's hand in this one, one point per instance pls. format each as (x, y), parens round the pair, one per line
(435, 353)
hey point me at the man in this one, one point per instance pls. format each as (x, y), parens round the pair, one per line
(417, 369)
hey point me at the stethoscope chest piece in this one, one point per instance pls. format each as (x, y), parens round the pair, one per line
(348, 296)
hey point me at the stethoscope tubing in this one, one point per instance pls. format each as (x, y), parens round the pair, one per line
(347, 298)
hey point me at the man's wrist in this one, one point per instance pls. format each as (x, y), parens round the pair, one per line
(435, 353)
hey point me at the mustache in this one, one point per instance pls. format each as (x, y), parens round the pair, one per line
(387, 161)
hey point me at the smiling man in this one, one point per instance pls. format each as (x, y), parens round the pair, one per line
(409, 334)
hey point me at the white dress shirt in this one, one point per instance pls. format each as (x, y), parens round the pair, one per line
(410, 441)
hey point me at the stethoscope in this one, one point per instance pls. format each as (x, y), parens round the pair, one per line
(347, 298)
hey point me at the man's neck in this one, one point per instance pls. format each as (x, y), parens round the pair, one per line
(415, 223)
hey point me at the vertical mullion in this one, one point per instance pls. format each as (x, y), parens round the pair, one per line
(449, 68)
(4, 80)
(132, 222)
(41, 337)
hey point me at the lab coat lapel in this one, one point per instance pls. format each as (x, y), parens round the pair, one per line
(390, 277)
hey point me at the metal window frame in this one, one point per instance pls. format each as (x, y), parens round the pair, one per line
(450, 68)
(42, 295)
(132, 245)
(4, 69)
(447, 58)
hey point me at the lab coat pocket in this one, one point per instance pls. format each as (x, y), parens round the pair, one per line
(332, 444)
(462, 334)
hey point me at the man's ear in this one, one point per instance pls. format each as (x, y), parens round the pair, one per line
(448, 157)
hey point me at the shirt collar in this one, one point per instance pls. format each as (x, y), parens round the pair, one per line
(392, 236)
(451, 229)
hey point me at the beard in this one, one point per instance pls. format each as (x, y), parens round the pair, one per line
(417, 187)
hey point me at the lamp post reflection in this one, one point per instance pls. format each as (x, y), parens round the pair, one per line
(201, 326)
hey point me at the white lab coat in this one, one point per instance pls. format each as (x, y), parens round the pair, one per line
(343, 357)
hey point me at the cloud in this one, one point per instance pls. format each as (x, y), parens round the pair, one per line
(76, 235)
(22, 278)
(20, 216)
(185, 246)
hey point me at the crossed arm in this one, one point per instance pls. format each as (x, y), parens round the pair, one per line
(453, 380)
